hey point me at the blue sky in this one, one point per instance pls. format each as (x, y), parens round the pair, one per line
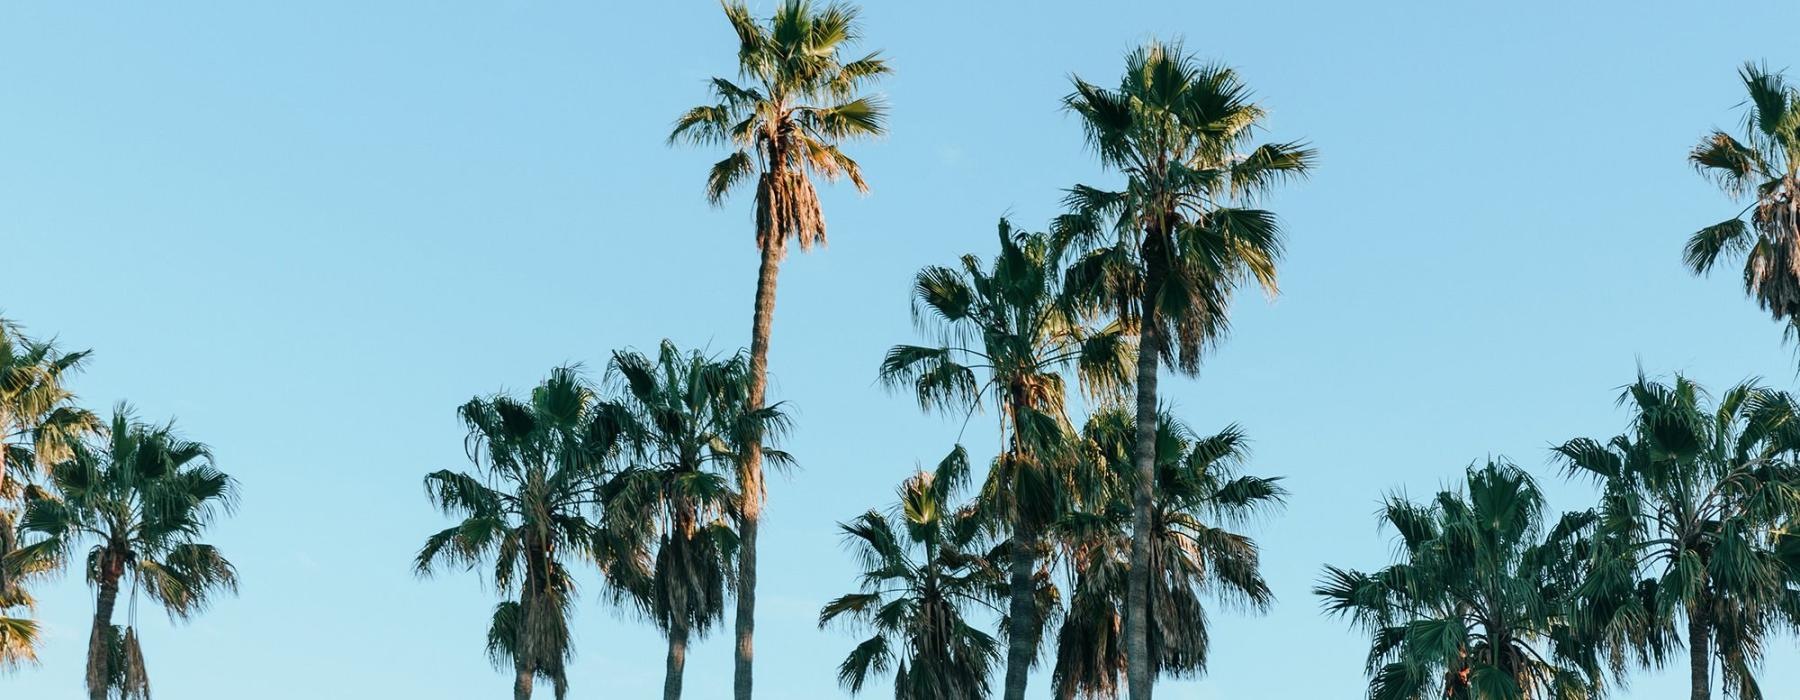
(310, 230)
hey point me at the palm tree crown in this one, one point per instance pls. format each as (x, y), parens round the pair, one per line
(922, 568)
(1181, 132)
(1479, 607)
(39, 420)
(1199, 496)
(526, 511)
(1695, 512)
(786, 125)
(1763, 165)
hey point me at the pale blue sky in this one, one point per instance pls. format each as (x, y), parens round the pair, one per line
(310, 230)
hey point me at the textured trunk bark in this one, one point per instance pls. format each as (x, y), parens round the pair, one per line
(524, 667)
(1022, 637)
(521, 681)
(750, 477)
(100, 640)
(678, 640)
(1699, 652)
(1138, 677)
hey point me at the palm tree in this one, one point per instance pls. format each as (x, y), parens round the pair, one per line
(1179, 238)
(1696, 506)
(1479, 607)
(1765, 167)
(1199, 495)
(38, 422)
(526, 510)
(143, 497)
(684, 421)
(1003, 334)
(922, 567)
(38, 416)
(783, 127)
(18, 635)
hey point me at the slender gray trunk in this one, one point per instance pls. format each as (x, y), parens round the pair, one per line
(99, 662)
(1022, 635)
(1699, 651)
(1138, 674)
(678, 641)
(750, 477)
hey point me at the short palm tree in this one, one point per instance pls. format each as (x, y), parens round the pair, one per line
(922, 570)
(141, 498)
(1199, 495)
(684, 422)
(1480, 605)
(1004, 332)
(800, 102)
(38, 416)
(1696, 506)
(526, 512)
(1171, 247)
(1764, 166)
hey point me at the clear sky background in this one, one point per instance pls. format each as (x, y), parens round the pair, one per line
(310, 230)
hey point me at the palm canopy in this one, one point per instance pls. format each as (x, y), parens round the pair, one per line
(922, 570)
(1004, 333)
(142, 497)
(1479, 606)
(1179, 237)
(800, 102)
(1199, 497)
(526, 512)
(39, 420)
(1763, 165)
(1695, 510)
(685, 427)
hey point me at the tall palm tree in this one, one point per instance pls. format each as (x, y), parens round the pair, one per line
(1173, 245)
(922, 568)
(1004, 332)
(1764, 165)
(526, 511)
(143, 497)
(38, 416)
(1696, 508)
(1479, 607)
(684, 420)
(1199, 495)
(799, 103)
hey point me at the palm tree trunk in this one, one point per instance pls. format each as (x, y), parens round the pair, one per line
(100, 640)
(1699, 654)
(678, 641)
(1022, 641)
(522, 680)
(1138, 676)
(750, 477)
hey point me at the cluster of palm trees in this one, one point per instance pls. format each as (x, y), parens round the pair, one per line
(661, 482)
(1691, 544)
(1107, 534)
(139, 496)
(634, 474)
(1103, 526)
